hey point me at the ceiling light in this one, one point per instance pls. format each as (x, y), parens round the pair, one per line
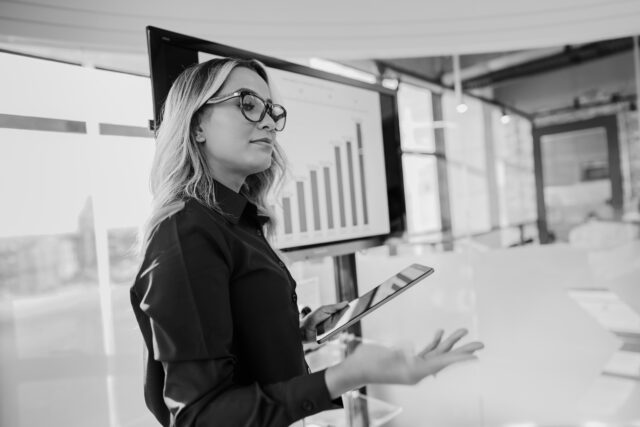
(390, 83)
(342, 70)
(505, 118)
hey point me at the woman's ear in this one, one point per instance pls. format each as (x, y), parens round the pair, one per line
(199, 134)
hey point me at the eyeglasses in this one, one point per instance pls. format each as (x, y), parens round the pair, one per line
(255, 108)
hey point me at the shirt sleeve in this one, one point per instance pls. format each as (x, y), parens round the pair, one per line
(187, 302)
(199, 394)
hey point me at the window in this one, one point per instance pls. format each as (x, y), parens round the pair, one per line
(513, 153)
(466, 165)
(74, 160)
(418, 160)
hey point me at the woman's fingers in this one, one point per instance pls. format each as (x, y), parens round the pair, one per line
(340, 305)
(437, 346)
(433, 344)
(332, 308)
(469, 347)
(392, 365)
(448, 344)
(322, 313)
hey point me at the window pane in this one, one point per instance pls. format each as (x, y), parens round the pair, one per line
(513, 147)
(416, 118)
(464, 133)
(469, 198)
(466, 166)
(48, 264)
(421, 190)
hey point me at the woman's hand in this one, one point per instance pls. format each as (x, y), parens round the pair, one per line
(376, 364)
(310, 321)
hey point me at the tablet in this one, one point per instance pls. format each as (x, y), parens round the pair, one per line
(370, 301)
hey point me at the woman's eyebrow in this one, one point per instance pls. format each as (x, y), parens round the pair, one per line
(246, 89)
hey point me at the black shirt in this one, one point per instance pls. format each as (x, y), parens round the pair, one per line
(218, 313)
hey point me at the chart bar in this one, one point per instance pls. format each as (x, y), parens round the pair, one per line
(286, 206)
(343, 219)
(314, 200)
(327, 192)
(302, 206)
(365, 211)
(352, 184)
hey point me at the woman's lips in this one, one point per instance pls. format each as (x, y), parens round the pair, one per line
(264, 140)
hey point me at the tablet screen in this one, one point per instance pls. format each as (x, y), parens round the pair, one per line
(373, 299)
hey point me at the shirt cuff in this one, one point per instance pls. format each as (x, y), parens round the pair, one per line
(309, 395)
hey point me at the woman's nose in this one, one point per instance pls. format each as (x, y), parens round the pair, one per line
(267, 122)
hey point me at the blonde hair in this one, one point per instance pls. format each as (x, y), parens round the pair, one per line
(179, 170)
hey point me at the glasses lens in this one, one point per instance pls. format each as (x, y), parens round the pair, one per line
(252, 107)
(279, 116)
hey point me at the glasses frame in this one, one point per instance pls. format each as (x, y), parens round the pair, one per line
(267, 109)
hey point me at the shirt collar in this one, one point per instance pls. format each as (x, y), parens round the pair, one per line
(236, 205)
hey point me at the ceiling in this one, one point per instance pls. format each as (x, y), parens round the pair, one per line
(330, 29)
(498, 40)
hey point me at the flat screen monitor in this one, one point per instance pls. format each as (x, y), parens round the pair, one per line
(344, 188)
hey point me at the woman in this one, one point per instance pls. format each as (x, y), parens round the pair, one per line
(215, 304)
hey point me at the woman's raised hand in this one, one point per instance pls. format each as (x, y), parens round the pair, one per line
(377, 364)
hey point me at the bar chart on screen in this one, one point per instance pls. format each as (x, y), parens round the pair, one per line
(324, 182)
(336, 185)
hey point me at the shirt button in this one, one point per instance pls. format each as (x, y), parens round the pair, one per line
(259, 233)
(294, 297)
(308, 405)
(281, 264)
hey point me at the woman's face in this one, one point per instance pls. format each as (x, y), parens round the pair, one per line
(235, 147)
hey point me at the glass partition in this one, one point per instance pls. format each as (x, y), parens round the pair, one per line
(74, 162)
